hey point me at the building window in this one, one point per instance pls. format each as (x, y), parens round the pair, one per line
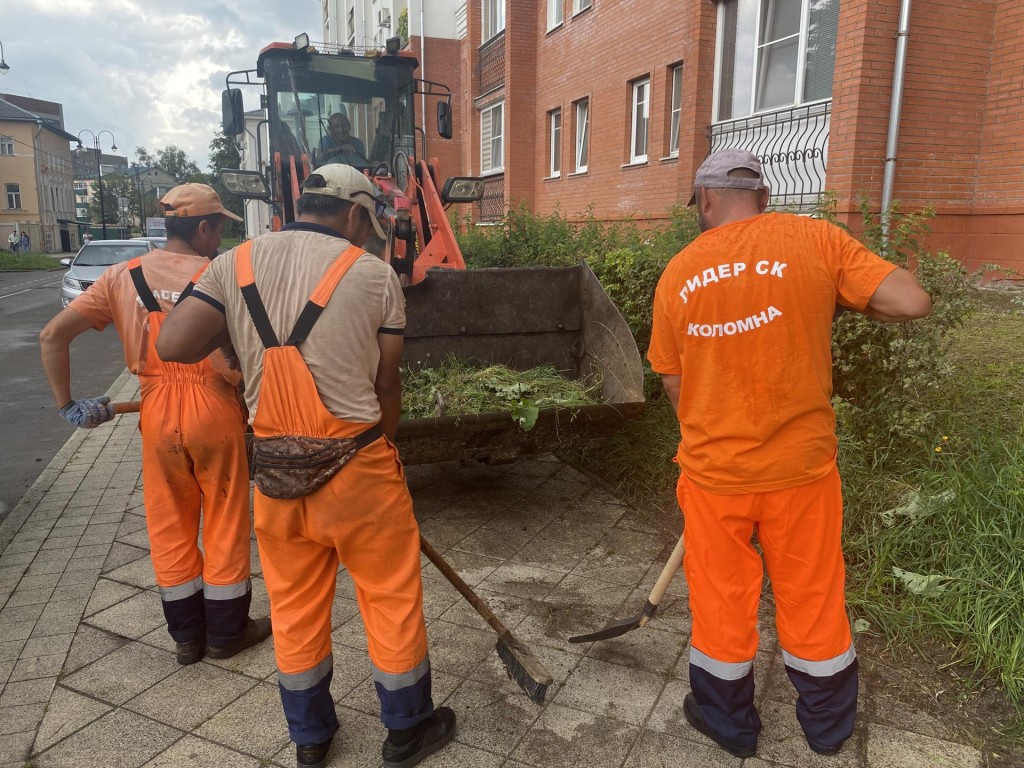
(582, 134)
(555, 143)
(351, 26)
(675, 110)
(6, 145)
(492, 134)
(641, 116)
(493, 18)
(774, 54)
(581, 5)
(14, 196)
(555, 13)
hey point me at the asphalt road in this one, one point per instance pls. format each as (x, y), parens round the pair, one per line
(31, 432)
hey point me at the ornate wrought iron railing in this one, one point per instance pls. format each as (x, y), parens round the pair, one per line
(792, 145)
(491, 207)
(490, 66)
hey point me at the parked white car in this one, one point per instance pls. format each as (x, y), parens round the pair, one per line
(92, 259)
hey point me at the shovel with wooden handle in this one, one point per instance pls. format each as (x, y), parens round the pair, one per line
(622, 626)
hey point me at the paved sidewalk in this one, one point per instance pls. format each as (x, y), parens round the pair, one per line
(88, 677)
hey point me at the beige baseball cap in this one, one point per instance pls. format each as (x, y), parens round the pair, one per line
(346, 183)
(714, 172)
(188, 200)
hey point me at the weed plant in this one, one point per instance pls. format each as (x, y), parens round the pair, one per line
(23, 262)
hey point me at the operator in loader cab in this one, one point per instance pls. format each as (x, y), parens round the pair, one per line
(318, 326)
(742, 339)
(193, 431)
(339, 145)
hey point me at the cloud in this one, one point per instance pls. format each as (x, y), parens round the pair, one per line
(149, 73)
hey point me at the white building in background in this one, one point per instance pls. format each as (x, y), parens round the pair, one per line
(252, 149)
(362, 23)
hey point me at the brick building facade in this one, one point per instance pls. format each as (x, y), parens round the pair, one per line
(805, 84)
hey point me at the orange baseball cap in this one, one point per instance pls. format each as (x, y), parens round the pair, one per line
(188, 200)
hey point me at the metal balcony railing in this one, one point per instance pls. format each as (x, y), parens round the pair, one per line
(792, 145)
(491, 207)
(490, 66)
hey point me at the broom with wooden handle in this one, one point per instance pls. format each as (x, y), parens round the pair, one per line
(520, 663)
(131, 406)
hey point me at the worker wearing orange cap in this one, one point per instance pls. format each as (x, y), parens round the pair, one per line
(334, 375)
(193, 431)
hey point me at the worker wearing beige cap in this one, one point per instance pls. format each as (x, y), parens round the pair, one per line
(193, 431)
(318, 327)
(742, 340)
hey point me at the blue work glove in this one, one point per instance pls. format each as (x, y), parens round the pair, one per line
(88, 413)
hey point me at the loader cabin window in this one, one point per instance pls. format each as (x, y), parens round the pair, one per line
(774, 54)
(347, 109)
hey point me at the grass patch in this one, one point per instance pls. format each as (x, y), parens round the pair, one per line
(24, 262)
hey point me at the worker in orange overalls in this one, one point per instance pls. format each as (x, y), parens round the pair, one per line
(340, 314)
(742, 340)
(193, 431)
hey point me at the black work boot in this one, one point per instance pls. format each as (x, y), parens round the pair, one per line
(256, 631)
(405, 748)
(312, 755)
(191, 652)
(691, 709)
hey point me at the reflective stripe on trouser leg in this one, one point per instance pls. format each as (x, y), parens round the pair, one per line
(227, 611)
(307, 702)
(725, 693)
(827, 703)
(724, 573)
(404, 698)
(801, 535)
(183, 610)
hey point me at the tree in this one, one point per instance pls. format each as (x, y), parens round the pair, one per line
(173, 160)
(224, 154)
(115, 186)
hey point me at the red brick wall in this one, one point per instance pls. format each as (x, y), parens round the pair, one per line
(443, 65)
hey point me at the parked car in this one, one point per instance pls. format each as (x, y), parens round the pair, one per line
(158, 242)
(92, 259)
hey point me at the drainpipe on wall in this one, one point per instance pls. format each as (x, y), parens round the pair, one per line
(40, 190)
(423, 72)
(902, 36)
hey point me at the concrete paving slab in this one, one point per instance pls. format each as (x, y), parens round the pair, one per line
(190, 696)
(611, 690)
(122, 674)
(900, 749)
(120, 739)
(198, 753)
(132, 617)
(66, 712)
(253, 723)
(567, 738)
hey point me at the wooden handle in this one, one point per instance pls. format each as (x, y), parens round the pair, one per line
(442, 565)
(132, 406)
(674, 561)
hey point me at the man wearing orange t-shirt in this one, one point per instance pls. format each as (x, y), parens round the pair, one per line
(193, 431)
(742, 340)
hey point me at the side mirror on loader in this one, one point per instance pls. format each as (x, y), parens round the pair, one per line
(232, 112)
(444, 119)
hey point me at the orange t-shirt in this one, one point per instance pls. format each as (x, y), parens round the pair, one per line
(744, 316)
(114, 299)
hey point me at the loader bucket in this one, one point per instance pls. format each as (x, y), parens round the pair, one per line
(521, 317)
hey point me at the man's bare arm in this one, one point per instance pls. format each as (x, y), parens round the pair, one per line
(388, 384)
(672, 384)
(54, 348)
(898, 299)
(191, 332)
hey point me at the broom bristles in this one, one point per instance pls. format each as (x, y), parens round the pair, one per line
(523, 667)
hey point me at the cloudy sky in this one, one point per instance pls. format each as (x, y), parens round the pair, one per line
(150, 72)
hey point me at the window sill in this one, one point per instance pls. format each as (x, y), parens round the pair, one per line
(581, 11)
(584, 172)
(492, 172)
(555, 28)
(556, 177)
(669, 159)
(635, 164)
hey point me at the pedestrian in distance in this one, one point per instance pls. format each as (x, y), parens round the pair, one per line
(13, 240)
(742, 340)
(193, 432)
(341, 314)
(25, 243)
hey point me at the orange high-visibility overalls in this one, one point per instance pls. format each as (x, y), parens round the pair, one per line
(363, 518)
(193, 460)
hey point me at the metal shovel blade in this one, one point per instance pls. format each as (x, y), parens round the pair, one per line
(619, 626)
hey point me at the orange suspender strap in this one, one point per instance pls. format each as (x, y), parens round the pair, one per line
(314, 306)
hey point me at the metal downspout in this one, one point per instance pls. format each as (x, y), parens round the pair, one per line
(423, 72)
(889, 177)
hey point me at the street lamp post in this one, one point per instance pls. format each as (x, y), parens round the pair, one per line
(4, 69)
(99, 173)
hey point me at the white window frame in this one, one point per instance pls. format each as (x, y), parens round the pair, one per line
(6, 146)
(675, 109)
(582, 137)
(13, 192)
(555, 143)
(492, 19)
(350, 25)
(489, 143)
(641, 102)
(556, 14)
(801, 63)
(578, 6)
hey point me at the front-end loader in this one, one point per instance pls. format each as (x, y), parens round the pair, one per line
(327, 103)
